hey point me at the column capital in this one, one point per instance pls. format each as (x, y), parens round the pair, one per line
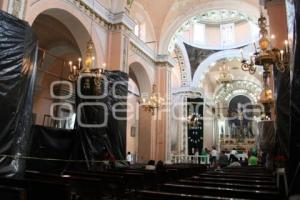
(164, 64)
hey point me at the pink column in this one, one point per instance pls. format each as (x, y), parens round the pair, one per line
(117, 49)
(278, 22)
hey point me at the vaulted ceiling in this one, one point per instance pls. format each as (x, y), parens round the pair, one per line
(164, 12)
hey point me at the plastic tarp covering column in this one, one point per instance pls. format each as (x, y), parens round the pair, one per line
(282, 84)
(51, 149)
(266, 136)
(18, 50)
(110, 138)
(294, 141)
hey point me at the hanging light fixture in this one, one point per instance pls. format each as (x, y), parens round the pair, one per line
(225, 76)
(154, 102)
(87, 66)
(267, 56)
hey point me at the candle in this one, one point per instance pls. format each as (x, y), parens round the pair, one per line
(93, 62)
(79, 63)
(74, 70)
(70, 64)
(241, 50)
(104, 65)
(272, 40)
(286, 45)
(281, 55)
(272, 36)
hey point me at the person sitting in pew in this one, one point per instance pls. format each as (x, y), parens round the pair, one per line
(244, 163)
(150, 165)
(160, 166)
(223, 160)
(253, 160)
(235, 162)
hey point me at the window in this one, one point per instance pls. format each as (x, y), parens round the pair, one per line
(227, 34)
(199, 33)
(143, 31)
(137, 30)
(140, 30)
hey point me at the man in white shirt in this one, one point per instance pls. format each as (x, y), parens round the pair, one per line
(129, 157)
(233, 152)
(232, 155)
(213, 154)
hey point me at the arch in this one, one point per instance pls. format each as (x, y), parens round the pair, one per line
(184, 63)
(206, 64)
(142, 77)
(249, 89)
(172, 25)
(71, 17)
(240, 98)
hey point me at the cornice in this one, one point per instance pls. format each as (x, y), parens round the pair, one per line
(122, 22)
(188, 91)
(104, 17)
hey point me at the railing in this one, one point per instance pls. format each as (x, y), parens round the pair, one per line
(204, 160)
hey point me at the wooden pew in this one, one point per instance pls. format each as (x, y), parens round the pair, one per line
(132, 180)
(233, 180)
(156, 195)
(40, 189)
(12, 193)
(106, 185)
(220, 191)
(238, 173)
(229, 185)
(234, 176)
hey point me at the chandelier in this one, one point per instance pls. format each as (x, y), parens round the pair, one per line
(225, 76)
(87, 66)
(154, 102)
(266, 56)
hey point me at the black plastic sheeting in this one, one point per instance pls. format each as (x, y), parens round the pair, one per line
(282, 86)
(266, 137)
(51, 149)
(56, 150)
(99, 142)
(18, 50)
(294, 137)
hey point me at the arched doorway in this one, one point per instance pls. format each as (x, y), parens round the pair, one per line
(57, 45)
(139, 132)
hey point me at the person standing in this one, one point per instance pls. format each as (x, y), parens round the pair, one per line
(213, 154)
(232, 155)
(196, 156)
(204, 156)
(129, 157)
